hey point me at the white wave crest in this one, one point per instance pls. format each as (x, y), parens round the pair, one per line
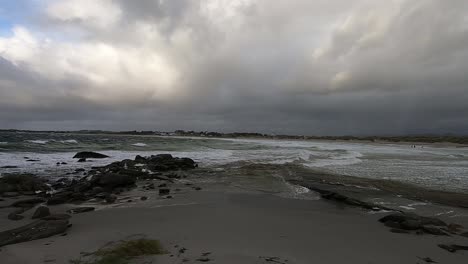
(41, 142)
(139, 145)
(69, 141)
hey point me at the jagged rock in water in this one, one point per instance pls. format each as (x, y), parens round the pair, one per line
(89, 155)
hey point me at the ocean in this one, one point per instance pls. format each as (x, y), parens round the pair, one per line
(429, 166)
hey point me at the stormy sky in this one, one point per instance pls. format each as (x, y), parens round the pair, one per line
(318, 67)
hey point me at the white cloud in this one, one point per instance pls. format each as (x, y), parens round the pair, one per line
(94, 13)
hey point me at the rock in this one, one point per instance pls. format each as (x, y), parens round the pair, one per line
(27, 203)
(80, 170)
(16, 215)
(399, 231)
(57, 217)
(433, 231)
(36, 230)
(164, 191)
(453, 248)
(80, 210)
(32, 160)
(408, 221)
(60, 198)
(197, 188)
(113, 180)
(82, 160)
(464, 234)
(63, 163)
(411, 224)
(41, 211)
(89, 155)
(164, 185)
(141, 159)
(9, 167)
(454, 228)
(22, 183)
(111, 198)
(144, 198)
(11, 194)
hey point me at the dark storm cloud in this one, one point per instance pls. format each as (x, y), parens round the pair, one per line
(301, 67)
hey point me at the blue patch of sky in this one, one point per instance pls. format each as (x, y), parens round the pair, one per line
(16, 12)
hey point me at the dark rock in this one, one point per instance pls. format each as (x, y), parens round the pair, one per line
(453, 248)
(164, 191)
(164, 185)
(9, 167)
(60, 198)
(433, 231)
(144, 198)
(32, 160)
(27, 203)
(112, 180)
(63, 163)
(141, 159)
(393, 224)
(41, 211)
(80, 210)
(89, 155)
(399, 231)
(111, 199)
(198, 188)
(36, 230)
(80, 170)
(169, 197)
(57, 217)
(16, 215)
(22, 183)
(411, 224)
(82, 160)
(11, 194)
(464, 234)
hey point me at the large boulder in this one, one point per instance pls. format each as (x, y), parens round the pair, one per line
(89, 155)
(36, 230)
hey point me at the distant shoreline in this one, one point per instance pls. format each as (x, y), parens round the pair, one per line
(459, 141)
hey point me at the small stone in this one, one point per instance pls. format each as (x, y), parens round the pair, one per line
(164, 191)
(82, 160)
(144, 198)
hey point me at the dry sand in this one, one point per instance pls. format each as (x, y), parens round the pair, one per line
(236, 228)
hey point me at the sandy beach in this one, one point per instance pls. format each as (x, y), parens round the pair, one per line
(234, 228)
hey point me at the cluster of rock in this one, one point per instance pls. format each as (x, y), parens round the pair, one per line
(22, 184)
(101, 182)
(107, 181)
(407, 223)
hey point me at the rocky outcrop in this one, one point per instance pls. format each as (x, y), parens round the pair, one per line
(103, 182)
(36, 230)
(89, 155)
(22, 183)
(405, 222)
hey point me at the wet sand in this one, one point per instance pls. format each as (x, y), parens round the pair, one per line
(235, 228)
